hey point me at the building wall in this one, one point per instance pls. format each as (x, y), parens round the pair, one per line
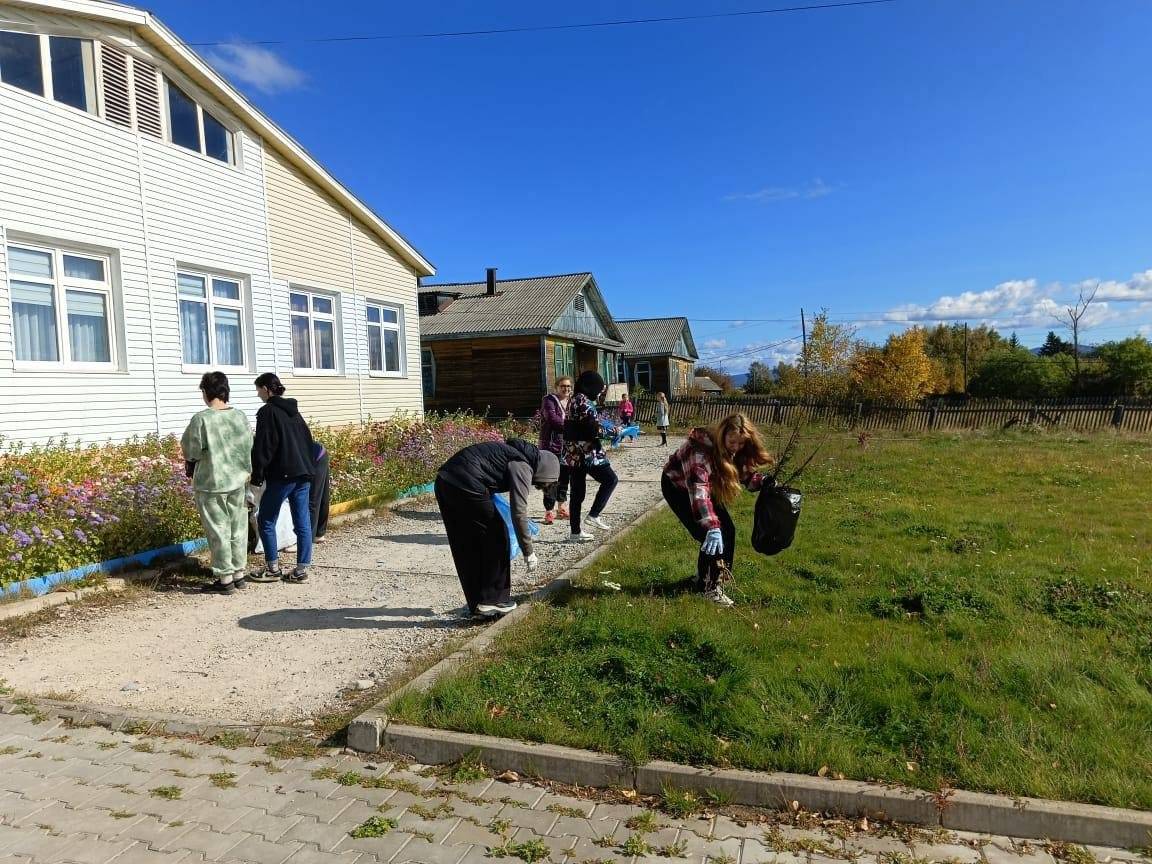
(316, 245)
(496, 377)
(663, 374)
(70, 179)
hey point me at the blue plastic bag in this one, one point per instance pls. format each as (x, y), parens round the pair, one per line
(505, 511)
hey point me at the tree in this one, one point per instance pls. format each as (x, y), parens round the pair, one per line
(826, 357)
(1071, 319)
(789, 381)
(1127, 366)
(901, 371)
(946, 344)
(1017, 373)
(759, 381)
(719, 376)
(1013, 341)
(1054, 345)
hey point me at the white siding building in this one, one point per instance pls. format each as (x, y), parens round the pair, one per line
(154, 225)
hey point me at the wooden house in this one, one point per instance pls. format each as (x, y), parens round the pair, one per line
(496, 347)
(659, 355)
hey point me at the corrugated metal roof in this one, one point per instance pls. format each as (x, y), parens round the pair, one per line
(646, 336)
(530, 305)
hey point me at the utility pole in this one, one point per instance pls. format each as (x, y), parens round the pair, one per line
(804, 350)
(965, 358)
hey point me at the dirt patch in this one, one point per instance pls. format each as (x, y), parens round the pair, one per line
(382, 597)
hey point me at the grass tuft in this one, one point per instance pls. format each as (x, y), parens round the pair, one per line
(376, 826)
(170, 793)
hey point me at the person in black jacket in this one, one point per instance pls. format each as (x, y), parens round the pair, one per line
(282, 461)
(476, 531)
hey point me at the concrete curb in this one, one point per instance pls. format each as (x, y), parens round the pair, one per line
(147, 722)
(18, 608)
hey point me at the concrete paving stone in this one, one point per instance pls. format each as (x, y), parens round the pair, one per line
(701, 826)
(92, 850)
(863, 845)
(400, 801)
(619, 812)
(476, 789)
(30, 784)
(196, 838)
(99, 823)
(139, 853)
(211, 815)
(308, 855)
(560, 846)
(941, 853)
(438, 828)
(549, 799)
(35, 843)
(384, 848)
(1109, 855)
(410, 775)
(570, 826)
(310, 832)
(377, 797)
(515, 791)
(303, 781)
(540, 821)
(14, 808)
(418, 851)
(1004, 850)
(358, 812)
(256, 850)
(720, 850)
(80, 769)
(755, 852)
(264, 825)
(308, 804)
(153, 832)
(12, 838)
(117, 799)
(469, 834)
(724, 828)
(75, 793)
(478, 855)
(236, 796)
(586, 850)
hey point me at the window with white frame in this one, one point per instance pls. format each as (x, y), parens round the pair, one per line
(313, 331)
(211, 319)
(61, 306)
(643, 375)
(385, 342)
(190, 125)
(60, 68)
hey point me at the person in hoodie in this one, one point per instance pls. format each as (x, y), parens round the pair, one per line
(217, 448)
(584, 457)
(476, 531)
(701, 479)
(283, 462)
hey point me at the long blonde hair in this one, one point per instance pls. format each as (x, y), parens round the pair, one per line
(660, 397)
(729, 469)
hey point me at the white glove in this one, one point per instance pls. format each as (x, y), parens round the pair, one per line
(713, 543)
(533, 561)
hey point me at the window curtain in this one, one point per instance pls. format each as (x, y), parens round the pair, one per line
(301, 344)
(88, 328)
(34, 311)
(229, 338)
(194, 331)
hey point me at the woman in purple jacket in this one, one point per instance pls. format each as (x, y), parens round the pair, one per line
(553, 413)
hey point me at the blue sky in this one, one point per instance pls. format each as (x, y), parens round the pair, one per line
(965, 159)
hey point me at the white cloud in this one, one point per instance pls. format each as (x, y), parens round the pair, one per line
(736, 325)
(715, 343)
(805, 192)
(1021, 303)
(256, 66)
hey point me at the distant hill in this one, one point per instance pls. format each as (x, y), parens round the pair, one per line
(739, 380)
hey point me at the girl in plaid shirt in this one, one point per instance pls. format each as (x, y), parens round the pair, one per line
(701, 478)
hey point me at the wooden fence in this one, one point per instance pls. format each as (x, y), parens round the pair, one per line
(923, 416)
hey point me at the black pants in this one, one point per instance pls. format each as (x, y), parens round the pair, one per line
(478, 538)
(318, 498)
(706, 565)
(561, 490)
(663, 430)
(578, 478)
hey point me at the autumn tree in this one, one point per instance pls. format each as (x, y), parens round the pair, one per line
(789, 381)
(946, 343)
(901, 371)
(826, 359)
(759, 381)
(1127, 366)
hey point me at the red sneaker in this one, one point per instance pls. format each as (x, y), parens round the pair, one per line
(549, 518)
(562, 512)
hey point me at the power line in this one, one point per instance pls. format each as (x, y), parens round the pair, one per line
(624, 22)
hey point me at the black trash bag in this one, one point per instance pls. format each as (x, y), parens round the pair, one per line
(777, 512)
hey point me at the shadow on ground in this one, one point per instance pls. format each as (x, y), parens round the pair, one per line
(354, 618)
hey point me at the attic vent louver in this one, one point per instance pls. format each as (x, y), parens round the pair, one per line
(579, 303)
(147, 89)
(117, 102)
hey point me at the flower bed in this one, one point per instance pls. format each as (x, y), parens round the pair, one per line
(64, 505)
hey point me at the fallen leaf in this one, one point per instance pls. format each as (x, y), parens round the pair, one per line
(864, 824)
(508, 777)
(497, 711)
(796, 806)
(838, 776)
(911, 766)
(823, 771)
(630, 794)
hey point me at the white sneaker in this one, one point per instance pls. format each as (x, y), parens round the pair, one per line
(599, 523)
(717, 596)
(495, 610)
(582, 537)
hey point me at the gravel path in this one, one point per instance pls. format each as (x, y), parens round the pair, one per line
(383, 594)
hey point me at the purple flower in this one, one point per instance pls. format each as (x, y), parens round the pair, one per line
(21, 538)
(80, 535)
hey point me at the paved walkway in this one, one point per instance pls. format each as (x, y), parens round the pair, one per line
(90, 796)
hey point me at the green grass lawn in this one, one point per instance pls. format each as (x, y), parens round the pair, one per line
(968, 610)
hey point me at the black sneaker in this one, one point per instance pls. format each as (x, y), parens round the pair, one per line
(218, 587)
(240, 581)
(296, 577)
